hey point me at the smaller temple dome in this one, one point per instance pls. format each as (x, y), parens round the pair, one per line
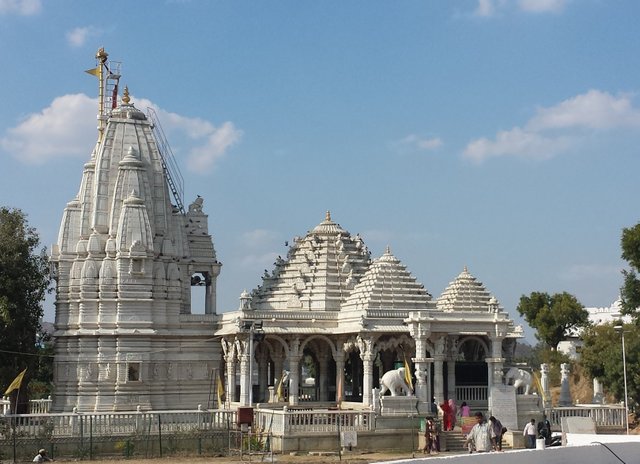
(328, 227)
(466, 293)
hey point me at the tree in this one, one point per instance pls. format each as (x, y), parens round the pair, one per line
(24, 281)
(553, 316)
(601, 356)
(630, 291)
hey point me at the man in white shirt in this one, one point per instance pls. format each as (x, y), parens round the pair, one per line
(480, 435)
(529, 434)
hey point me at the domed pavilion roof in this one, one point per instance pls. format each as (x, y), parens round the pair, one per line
(466, 293)
(319, 272)
(388, 284)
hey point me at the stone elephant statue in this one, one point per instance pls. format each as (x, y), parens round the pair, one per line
(519, 378)
(393, 381)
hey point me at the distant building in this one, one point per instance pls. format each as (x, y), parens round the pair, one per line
(597, 316)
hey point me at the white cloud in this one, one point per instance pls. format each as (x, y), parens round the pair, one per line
(68, 128)
(78, 36)
(257, 261)
(517, 142)
(21, 7)
(65, 128)
(489, 8)
(592, 110)
(485, 8)
(542, 6)
(421, 143)
(556, 129)
(259, 237)
(590, 271)
(205, 143)
(215, 146)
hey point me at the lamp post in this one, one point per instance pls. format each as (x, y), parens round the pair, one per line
(624, 370)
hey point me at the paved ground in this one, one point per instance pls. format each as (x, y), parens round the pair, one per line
(347, 458)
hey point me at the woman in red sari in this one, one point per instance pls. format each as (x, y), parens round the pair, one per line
(446, 416)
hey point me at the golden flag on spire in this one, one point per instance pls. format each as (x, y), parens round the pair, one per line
(407, 373)
(94, 71)
(220, 390)
(16, 384)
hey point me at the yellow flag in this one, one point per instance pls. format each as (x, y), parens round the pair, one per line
(220, 391)
(407, 374)
(17, 382)
(94, 71)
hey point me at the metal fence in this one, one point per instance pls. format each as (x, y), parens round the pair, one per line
(126, 435)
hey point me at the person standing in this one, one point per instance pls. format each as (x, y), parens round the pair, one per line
(529, 433)
(453, 412)
(496, 433)
(431, 442)
(480, 435)
(544, 430)
(465, 410)
(446, 416)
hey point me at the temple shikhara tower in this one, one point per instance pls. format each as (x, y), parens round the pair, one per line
(127, 256)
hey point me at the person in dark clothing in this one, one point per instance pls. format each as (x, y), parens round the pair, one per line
(544, 430)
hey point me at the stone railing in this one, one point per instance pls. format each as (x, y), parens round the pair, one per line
(42, 406)
(609, 415)
(119, 423)
(472, 394)
(292, 421)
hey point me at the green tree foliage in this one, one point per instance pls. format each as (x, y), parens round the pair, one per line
(630, 291)
(24, 280)
(552, 316)
(601, 356)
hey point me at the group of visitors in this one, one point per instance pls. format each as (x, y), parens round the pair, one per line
(531, 432)
(450, 413)
(486, 435)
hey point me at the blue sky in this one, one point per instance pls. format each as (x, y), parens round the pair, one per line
(497, 134)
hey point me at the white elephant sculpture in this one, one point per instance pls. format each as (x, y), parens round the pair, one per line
(519, 377)
(394, 382)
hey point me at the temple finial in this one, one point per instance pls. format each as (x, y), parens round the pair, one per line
(388, 250)
(125, 96)
(328, 216)
(465, 269)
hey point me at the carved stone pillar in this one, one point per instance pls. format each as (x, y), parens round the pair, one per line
(263, 377)
(245, 378)
(322, 380)
(438, 380)
(339, 358)
(565, 393)
(229, 351)
(365, 345)
(544, 383)
(420, 331)
(451, 379)
(294, 374)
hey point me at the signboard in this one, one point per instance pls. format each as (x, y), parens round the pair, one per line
(503, 405)
(349, 439)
